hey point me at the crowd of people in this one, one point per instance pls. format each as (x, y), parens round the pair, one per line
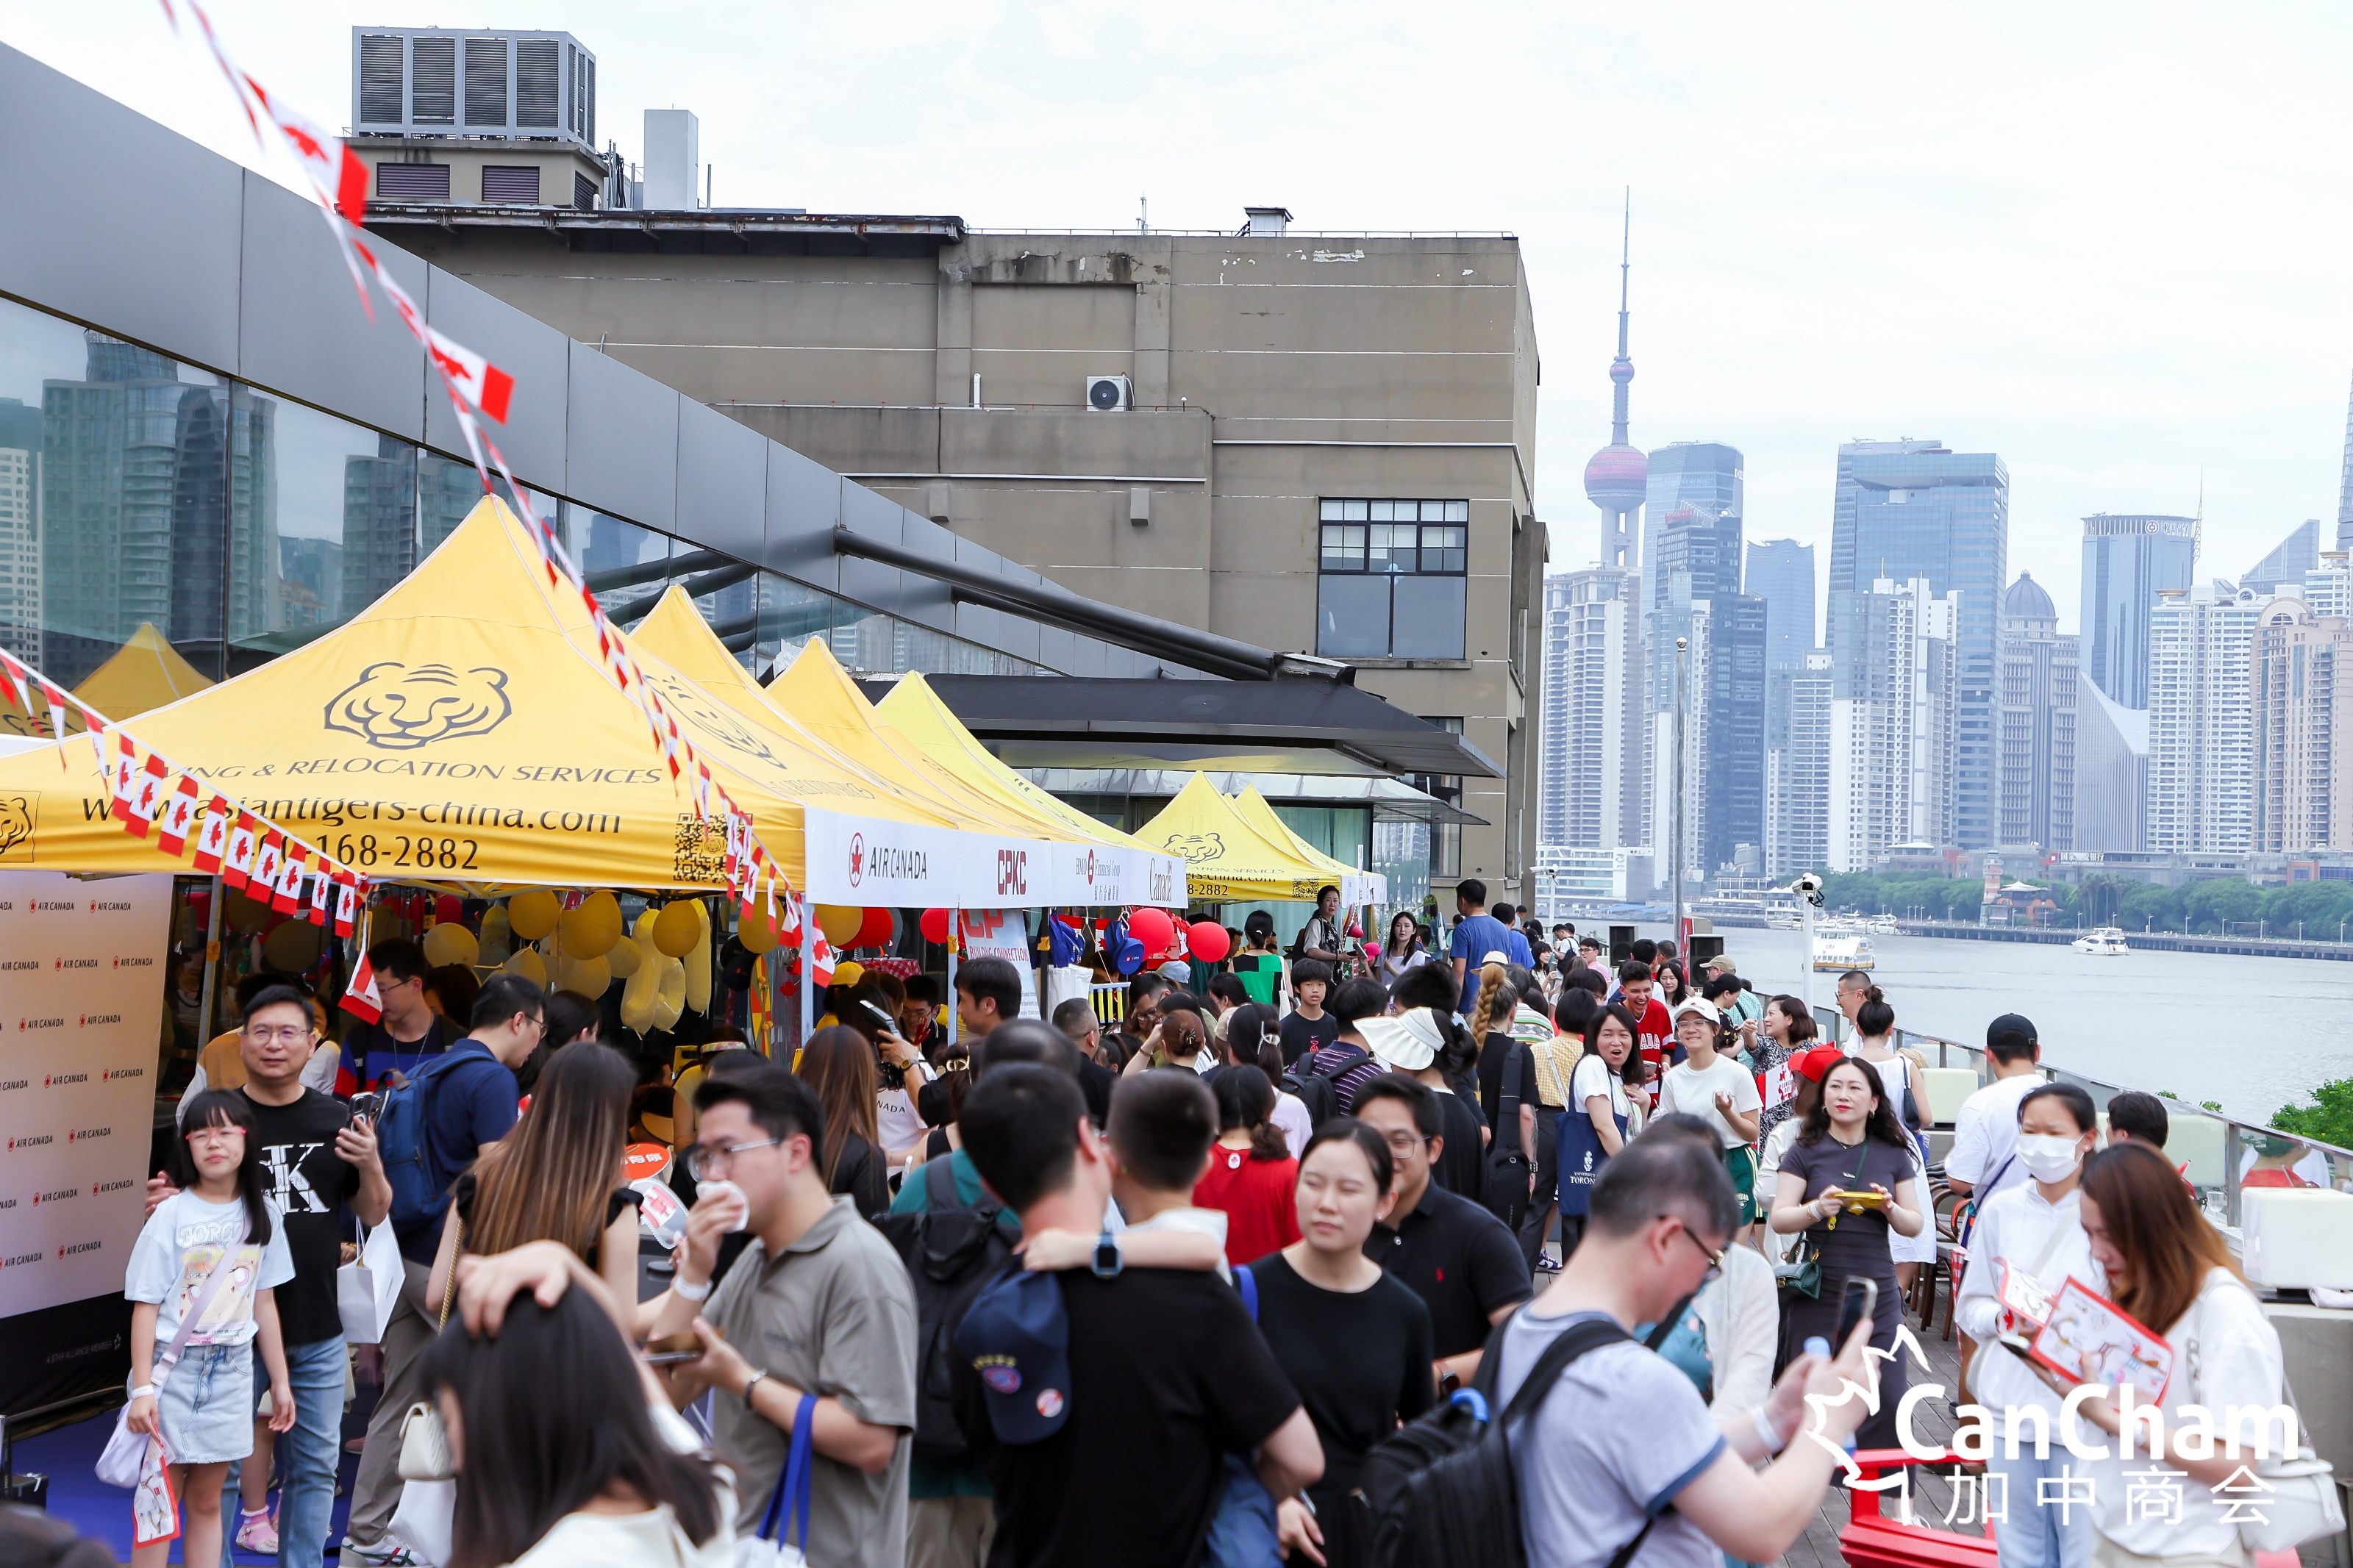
(1038, 1291)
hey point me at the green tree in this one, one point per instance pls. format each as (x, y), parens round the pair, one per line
(2100, 897)
(2213, 906)
(2328, 1119)
(2148, 906)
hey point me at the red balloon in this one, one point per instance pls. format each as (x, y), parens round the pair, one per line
(877, 931)
(448, 909)
(934, 925)
(1209, 940)
(1153, 928)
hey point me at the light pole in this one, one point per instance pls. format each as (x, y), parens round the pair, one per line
(1675, 840)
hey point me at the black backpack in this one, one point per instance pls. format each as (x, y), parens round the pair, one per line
(1440, 1493)
(1317, 1091)
(1507, 1163)
(951, 1249)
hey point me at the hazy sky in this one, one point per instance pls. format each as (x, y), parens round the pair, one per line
(2106, 241)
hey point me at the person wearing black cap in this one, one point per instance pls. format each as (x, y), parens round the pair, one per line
(1984, 1156)
(1104, 1402)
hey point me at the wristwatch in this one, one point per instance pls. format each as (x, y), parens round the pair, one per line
(1108, 1262)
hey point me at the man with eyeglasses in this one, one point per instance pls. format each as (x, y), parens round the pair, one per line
(1623, 1433)
(410, 1032)
(319, 1160)
(467, 1101)
(1462, 1261)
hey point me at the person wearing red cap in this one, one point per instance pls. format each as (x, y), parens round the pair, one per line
(1806, 1070)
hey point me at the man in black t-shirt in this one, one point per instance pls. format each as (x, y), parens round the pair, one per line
(318, 1162)
(1308, 1026)
(1462, 1261)
(1166, 1374)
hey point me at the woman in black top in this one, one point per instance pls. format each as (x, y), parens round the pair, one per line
(556, 1176)
(839, 1064)
(1852, 1146)
(1355, 1344)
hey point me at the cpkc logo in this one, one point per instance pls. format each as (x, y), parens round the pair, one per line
(398, 707)
(1013, 871)
(857, 858)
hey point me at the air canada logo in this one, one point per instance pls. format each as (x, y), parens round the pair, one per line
(857, 858)
(16, 820)
(1198, 845)
(398, 707)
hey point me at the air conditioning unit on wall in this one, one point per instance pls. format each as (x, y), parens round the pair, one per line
(1110, 394)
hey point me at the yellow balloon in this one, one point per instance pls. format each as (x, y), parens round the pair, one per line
(849, 972)
(245, 915)
(293, 947)
(841, 922)
(625, 958)
(678, 928)
(533, 914)
(530, 965)
(670, 998)
(757, 934)
(697, 961)
(450, 943)
(589, 977)
(498, 937)
(590, 930)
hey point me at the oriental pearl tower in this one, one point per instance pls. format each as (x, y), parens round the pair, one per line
(1617, 475)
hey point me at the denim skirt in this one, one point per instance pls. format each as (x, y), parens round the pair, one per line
(205, 1405)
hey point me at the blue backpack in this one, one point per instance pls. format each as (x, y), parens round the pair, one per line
(1243, 1531)
(420, 1185)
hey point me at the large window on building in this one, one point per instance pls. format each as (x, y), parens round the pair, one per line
(1390, 578)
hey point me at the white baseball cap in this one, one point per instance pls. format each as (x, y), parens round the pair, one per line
(1703, 1008)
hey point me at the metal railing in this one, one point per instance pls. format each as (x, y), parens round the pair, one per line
(2218, 1153)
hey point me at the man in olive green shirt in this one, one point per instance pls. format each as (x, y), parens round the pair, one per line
(817, 1304)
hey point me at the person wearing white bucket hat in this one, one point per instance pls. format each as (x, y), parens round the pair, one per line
(1719, 1092)
(1409, 1043)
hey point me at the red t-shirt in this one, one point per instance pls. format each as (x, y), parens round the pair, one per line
(1656, 1039)
(1259, 1199)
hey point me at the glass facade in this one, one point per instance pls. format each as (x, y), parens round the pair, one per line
(1391, 579)
(136, 490)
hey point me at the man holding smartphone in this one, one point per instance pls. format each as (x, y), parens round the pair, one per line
(318, 1158)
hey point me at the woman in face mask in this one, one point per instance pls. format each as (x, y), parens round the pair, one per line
(2032, 1230)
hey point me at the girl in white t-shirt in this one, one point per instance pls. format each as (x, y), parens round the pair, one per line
(1719, 1092)
(201, 1407)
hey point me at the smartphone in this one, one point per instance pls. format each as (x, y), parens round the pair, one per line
(889, 1024)
(2017, 1345)
(1860, 1304)
(367, 1107)
(671, 1349)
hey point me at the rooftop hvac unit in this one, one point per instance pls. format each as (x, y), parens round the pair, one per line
(444, 81)
(1110, 394)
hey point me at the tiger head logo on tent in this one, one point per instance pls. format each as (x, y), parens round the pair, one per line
(400, 707)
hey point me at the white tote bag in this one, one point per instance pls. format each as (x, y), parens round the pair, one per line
(368, 1289)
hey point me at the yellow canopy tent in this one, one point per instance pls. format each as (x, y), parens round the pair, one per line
(957, 855)
(459, 730)
(144, 674)
(1128, 870)
(1355, 887)
(1227, 859)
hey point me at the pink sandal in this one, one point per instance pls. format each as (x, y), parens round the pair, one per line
(257, 1532)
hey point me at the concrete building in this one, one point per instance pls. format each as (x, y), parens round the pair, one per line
(2301, 683)
(1590, 785)
(2128, 560)
(1797, 711)
(2200, 733)
(1906, 509)
(20, 527)
(1320, 444)
(2326, 587)
(2112, 761)
(2036, 672)
(1892, 725)
(485, 116)
(1782, 573)
(2289, 560)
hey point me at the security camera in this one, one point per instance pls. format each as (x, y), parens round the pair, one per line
(1809, 887)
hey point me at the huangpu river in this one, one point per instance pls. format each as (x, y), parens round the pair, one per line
(2251, 1034)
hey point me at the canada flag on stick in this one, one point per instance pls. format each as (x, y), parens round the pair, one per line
(149, 800)
(172, 832)
(360, 999)
(212, 838)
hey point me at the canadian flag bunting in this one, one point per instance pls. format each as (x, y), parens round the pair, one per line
(149, 799)
(263, 876)
(172, 832)
(126, 774)
(236, 865)
(347, 902)
(322, 897)
(360, 999)
(288, 896)
(212, 838)
(472, 379)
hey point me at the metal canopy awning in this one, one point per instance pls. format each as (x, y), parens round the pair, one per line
(1290, 725)
(1392, 800)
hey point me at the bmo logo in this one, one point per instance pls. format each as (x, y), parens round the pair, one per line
(1012, 871)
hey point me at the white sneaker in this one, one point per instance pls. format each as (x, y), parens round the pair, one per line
(383, 1554)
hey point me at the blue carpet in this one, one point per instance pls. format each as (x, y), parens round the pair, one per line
(102, 1512)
